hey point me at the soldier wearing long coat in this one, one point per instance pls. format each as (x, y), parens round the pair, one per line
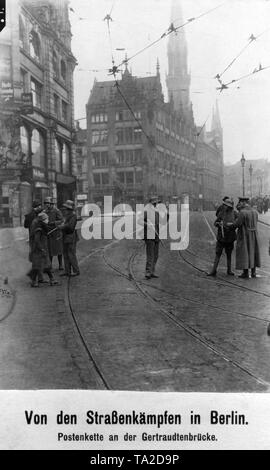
(55, 239)
(247, 243)
(39, 255)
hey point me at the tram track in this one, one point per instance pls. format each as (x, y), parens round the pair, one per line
(168, 313)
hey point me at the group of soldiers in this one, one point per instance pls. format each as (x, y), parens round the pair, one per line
(51, 233)
(241, 226)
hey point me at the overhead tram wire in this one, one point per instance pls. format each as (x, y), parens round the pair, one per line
(252, 39)
(255, 71)
(171, 29)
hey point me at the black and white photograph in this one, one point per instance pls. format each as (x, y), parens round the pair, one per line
(135, 214)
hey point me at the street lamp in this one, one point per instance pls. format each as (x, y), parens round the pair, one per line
(250, 174)
(243, 161)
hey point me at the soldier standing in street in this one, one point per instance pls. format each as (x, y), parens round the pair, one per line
(39, 255)
(70, 239)
(225, 236)
(247, 244)
(55, 243)
(152, 219)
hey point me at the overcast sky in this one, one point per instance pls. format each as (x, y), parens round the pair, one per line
(213, 42)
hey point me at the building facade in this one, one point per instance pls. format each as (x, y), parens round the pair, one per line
(37, 152)
(210, 166)
(138, 144)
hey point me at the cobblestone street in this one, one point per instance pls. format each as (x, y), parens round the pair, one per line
(111, 328)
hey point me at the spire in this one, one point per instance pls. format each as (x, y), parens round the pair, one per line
(178, 78)
(216, 122)
(158, 68)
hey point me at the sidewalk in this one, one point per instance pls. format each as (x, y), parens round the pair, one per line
(265, 218)
(38, 346)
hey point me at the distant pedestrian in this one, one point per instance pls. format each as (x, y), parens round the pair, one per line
(152, 220)
(247, 244)
(70, 239)
(39, 255)
(55, 242)
(226, 236)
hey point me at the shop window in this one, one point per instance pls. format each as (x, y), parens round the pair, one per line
(35, 49)
(66, 159)
(38, 149)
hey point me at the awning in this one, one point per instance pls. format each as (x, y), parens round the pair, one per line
(40, 184)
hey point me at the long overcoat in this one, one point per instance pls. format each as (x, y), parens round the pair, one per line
(247, 244)
(55, 242)
(39, 255)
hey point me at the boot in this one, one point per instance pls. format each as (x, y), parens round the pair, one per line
(244, 274)
(229, 266)
(214, 268)
(253, 272)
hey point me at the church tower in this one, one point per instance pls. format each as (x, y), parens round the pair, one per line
(178, 78)
(216, 128)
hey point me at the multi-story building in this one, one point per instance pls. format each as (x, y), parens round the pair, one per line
(210, 167)
(37, 153)
(137, 143)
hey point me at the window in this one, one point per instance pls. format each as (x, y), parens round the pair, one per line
(128, 135)
(63, 70)
(100, 159)
(24, 138)
(137, 114)
(38, 149)
(24, 80)
(55, 64)
(66, 159)
(36, 89)
(120, 158)
(129, 177)
(95, 137)
(99, 117)
(138, 156)
(99, 137)
(56, 105)
(34, 45)
(119, 136)
(21, 32)
(121, 177)
(137, 135)
(58, 157)
(119, 116)
(138, 176)
(64, 111)
(105, 178)
(97, 179)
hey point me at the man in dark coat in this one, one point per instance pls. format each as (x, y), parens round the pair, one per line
(28, 218)
(39, 255)
(247, 244)
(225, 236)
(55, 243)
(152, 219)
(70, 239)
